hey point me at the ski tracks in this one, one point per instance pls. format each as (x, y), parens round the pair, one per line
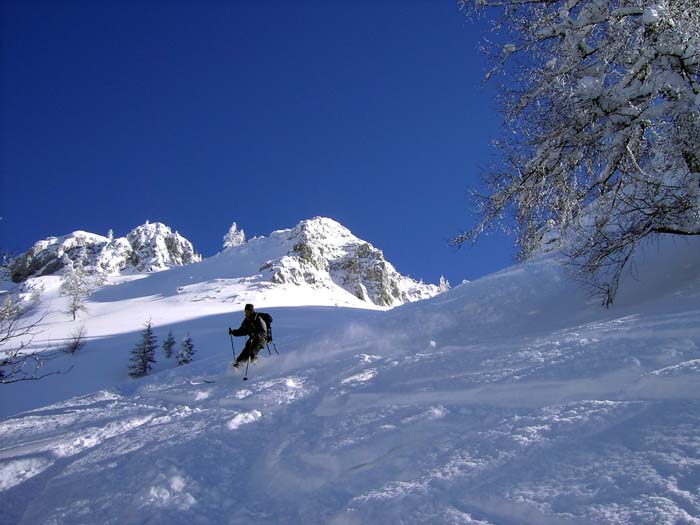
(70, 443)
(517, 431)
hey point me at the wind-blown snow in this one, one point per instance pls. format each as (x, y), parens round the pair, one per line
(512, 399)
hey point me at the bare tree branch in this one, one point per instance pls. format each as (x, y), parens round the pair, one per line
(18, 327)
(601, 100)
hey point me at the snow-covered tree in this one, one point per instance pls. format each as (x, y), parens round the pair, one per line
(169, 344)
(143, 355)
(234, 237)
(76, 285)
(444, 284)
(601, 100)
(184, 356)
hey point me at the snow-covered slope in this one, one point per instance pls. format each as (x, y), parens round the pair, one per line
(148, 248)
(512, 400)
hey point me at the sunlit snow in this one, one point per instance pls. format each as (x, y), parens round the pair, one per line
(514, 399)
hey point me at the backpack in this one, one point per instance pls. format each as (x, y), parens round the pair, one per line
(268, 322)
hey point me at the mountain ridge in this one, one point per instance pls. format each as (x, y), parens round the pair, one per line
(150, 247)
(318, 254)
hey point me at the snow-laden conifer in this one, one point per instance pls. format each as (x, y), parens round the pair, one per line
(234, 237)
(444, 284)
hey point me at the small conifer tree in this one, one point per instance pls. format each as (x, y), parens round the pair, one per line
(184, 356)
(144, 353)
(168, 345)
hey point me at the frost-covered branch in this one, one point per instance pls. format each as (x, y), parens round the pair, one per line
(17, 329)
(601, 100)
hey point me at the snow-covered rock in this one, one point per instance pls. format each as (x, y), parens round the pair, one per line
(47, 256)
(150, 247)
(156, 247)
(321, 252)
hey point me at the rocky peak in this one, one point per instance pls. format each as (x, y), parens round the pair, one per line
(156, 247)
(150, 247)
(321, 252)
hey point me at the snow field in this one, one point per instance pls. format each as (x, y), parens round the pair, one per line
(514, 399)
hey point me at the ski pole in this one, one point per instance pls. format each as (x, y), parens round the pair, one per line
(232, 347)
(245, 377)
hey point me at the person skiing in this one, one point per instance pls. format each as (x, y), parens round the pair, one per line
(255, 328)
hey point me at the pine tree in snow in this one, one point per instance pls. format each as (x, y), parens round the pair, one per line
(169, 344)
(601, 100)
(234, 237)
(143, 355)
(184, 356)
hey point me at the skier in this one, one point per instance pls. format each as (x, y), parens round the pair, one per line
(255, 328)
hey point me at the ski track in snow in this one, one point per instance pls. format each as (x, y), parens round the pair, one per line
(594, 422)
(512, 428)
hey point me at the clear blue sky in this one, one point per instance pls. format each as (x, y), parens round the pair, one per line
(198, 114)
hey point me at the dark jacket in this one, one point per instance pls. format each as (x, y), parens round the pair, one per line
(254, 328)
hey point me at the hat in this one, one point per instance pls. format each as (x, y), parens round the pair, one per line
(249, 307)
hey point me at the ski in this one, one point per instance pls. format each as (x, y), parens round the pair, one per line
(201, 382)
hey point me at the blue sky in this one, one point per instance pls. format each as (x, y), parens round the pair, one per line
(198, 114)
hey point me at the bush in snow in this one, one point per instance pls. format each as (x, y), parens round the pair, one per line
(602, 128)
(77, 341)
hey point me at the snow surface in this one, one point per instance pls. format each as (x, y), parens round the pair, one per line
(514, 399)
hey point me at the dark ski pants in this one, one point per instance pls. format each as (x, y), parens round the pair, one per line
(252, 347)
